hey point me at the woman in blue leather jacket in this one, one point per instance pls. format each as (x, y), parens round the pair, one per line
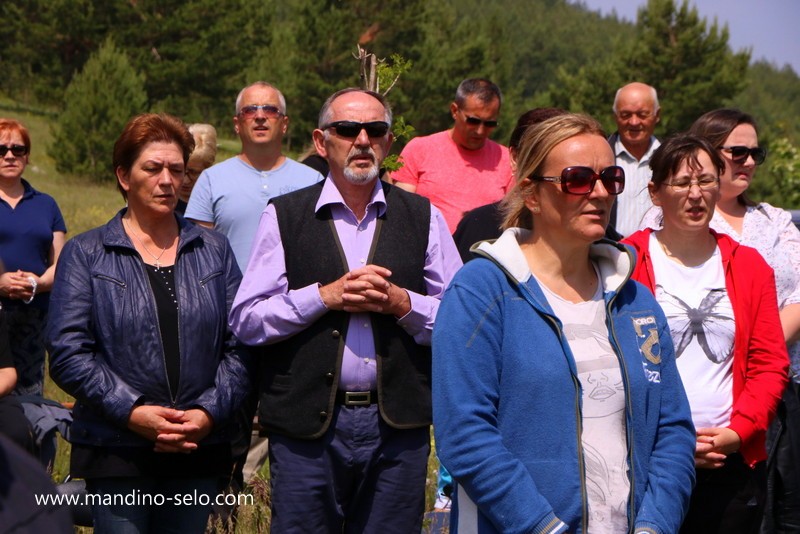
(138, 335)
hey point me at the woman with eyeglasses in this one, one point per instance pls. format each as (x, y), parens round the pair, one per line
(32, 234)
(769, 230)
(556, 400)
(139, 336)
(202, 157)
(720, 301)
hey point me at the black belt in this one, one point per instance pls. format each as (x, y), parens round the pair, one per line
(356, 398)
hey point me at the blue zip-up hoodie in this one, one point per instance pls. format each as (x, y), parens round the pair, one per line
(507, 399)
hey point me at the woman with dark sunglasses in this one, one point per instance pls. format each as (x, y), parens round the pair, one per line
(557, 404)
(720, 301)
(32, 234)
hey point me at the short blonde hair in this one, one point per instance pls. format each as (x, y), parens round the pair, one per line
(536, 144)
(205, 143)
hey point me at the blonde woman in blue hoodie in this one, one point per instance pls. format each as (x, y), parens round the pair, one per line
(557, 403)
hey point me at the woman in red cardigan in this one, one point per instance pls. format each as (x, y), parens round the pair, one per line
(720, 302)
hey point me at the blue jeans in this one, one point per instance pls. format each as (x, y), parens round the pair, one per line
(140, 509)
(362, 476)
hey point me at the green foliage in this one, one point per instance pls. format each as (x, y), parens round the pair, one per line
(401, 130)
(390, 72)
(773, 97)
(98, 103)
(778, 180)
(673, 50)
(692, 67)
(196, 55)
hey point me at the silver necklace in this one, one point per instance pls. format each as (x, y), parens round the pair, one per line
(156, 258)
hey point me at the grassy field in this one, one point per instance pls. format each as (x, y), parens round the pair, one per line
(86, 204)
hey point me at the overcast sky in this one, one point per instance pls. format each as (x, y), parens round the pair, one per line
(770, 28)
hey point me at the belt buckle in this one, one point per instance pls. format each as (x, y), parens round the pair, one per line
(357, 398)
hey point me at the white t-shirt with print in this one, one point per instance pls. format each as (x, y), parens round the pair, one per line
(603, 415)
(700, 318)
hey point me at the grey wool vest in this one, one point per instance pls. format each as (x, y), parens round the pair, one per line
(299, 376)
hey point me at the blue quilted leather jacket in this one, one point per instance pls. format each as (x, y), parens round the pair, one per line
(105, 344)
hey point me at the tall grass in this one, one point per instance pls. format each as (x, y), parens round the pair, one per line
(87, 204)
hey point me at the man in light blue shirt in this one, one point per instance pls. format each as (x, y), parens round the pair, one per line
(231, 195)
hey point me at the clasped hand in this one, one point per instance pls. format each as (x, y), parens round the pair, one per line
(17, 285)
(366, 289)
(714, 445)
(171, 430)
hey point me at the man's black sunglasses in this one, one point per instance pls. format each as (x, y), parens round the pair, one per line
(581, 180)
(16, 150)
(475, 121)
(351, 129)
(739, 154)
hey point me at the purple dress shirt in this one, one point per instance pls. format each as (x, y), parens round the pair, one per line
(265, 311)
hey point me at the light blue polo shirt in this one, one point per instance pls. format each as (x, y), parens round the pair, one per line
(232, 195)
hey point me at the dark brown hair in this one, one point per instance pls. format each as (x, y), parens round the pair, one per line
(680, 148)
(717, 125)
(148, 128)
(532, 116)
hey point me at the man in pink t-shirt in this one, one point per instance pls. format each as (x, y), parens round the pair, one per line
(461, 168)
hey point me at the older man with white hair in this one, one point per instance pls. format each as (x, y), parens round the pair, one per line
(637, 112)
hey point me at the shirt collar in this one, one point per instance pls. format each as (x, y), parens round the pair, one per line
(331, 195)
(620, 150)
(28, 190)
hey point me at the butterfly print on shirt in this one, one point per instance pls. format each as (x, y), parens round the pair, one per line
(712, 329)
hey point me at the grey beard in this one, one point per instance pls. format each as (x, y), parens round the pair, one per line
(361, 176)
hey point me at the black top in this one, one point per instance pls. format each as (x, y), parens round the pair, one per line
(180, 207)
(88, 461)
(162, 281)
(5, 349)
(318, 163)
(479, 224)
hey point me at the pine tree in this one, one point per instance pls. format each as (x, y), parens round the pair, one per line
(673, 49)
(98, 102)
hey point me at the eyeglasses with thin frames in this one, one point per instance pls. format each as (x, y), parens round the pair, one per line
(705, 183)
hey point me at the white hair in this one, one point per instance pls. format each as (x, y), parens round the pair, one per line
(654, 96)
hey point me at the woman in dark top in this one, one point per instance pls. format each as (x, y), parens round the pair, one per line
(13, 423)
(32, 233)
(138, 335)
